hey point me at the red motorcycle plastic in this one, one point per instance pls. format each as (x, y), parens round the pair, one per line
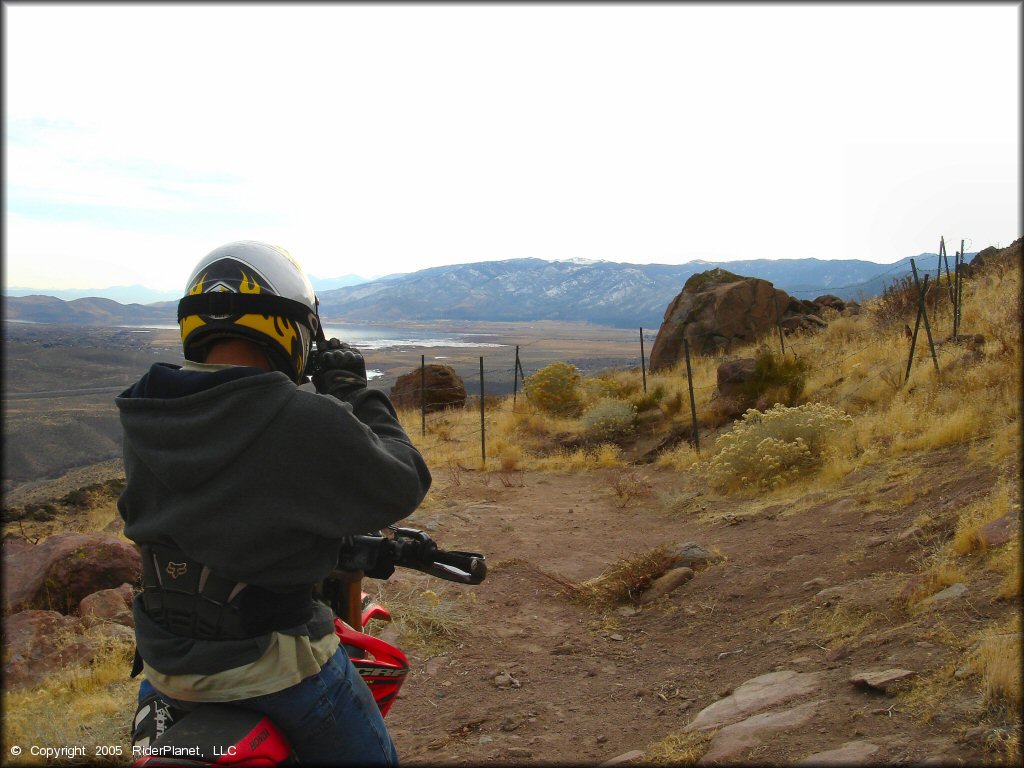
(220, 734)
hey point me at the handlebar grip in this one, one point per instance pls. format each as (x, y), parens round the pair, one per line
(463, 567)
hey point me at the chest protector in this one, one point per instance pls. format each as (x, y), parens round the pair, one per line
(188, 599)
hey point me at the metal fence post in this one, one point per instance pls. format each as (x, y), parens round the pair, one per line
(922, 310)
(693, 405)
(643, 363)
(778, 324)
(515, 379)
(483, 434)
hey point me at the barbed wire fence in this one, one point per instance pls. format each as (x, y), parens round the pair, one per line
(473, 391)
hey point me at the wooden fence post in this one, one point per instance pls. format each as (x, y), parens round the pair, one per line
(423, 393)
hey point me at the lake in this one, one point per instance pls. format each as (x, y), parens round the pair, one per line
(381, 337)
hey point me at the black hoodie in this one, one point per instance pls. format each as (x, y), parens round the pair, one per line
(258, 479)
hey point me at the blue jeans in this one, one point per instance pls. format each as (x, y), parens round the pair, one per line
(330, 718)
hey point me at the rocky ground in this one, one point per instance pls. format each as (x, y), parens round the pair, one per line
(791, 643)
(796, 646)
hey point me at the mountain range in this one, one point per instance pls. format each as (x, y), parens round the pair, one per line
(600, 292)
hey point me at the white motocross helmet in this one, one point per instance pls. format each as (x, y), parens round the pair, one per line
(254, 291)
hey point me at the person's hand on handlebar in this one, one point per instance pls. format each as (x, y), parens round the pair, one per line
(341, 369)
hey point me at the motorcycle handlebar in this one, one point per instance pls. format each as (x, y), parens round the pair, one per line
(378, 556)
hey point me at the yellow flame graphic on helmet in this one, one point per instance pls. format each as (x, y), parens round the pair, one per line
(248, 285)
(281, 330)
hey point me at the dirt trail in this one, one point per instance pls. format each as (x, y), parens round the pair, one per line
(587, 687)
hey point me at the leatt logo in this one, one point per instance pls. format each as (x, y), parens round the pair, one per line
(174, 570)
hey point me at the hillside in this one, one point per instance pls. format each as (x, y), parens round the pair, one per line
(852, 599)
(518, 290)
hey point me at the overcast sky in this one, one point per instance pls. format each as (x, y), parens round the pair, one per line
(382, 139)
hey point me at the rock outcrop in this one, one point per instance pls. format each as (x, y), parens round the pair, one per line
(444, 389)
(990, 257)
(715, 310)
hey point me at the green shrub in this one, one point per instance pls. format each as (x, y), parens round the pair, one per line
(766, 450)
(648, 401)
(606, 387)
(776, 379)
(673, 405)
(555, 389)
(609, 420)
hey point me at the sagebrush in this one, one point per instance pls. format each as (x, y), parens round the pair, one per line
(768, 449)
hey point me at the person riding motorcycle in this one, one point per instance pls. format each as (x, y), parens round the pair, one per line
(241, 482)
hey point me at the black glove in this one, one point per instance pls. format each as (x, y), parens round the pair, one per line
(340, 369)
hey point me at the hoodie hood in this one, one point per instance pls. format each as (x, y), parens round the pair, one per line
(231, 408)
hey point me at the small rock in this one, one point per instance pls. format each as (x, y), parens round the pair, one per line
(509, 724)
(949, 593)
(975, 735)
(519, 752)
(880, 681)
(485, 739)
(851, 753)
(998, 532)
(108, 605)
(616, 637)
(820, 581)
(838, 653)
(693, 555)
(627, 611)
(625, 757)
(757, 694)
(503, 680)
(913, 532)
(601, 739)
(734, 739)
(665, 584)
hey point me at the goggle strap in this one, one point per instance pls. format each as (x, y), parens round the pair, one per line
(231, 304)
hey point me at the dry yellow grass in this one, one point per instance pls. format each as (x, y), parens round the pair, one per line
(623, 581)
(427, 621)
(679, 748)
(966, 539)
(997, 661)
(943, 573)
(81, 705)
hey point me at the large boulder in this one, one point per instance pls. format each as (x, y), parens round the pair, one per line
(715, 310)
(63, 569)
(38, 642)
(444, 389)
